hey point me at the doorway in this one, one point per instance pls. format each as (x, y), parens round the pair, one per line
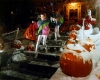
(73, 15)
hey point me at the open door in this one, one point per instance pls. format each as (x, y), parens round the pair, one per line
(73, 15)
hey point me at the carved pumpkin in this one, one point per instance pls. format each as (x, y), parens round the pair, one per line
(30, 47)
(74, 27)
(76, 62)
(70, 41)
(88, 44)
(16, 44)
(72, 36)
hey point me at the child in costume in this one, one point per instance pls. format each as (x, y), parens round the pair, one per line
(59, 21)
(89, 21)
(43, 30)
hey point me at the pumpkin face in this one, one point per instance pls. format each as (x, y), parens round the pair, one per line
(30, 47)
(72, 36)
(88, 47)
(16, 44)
(70, 41)
(74, 27)
(76, 62)
(88, 44)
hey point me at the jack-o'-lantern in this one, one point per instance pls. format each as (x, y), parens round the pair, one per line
(30, 47)
(70, 41)
(74, 27)
(88, 44)
(75, 61)
(16, 44)
(73, 35)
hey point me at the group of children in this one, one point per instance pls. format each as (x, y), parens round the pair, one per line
(42, 29)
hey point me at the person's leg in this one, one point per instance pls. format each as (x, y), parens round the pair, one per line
(55, 32)
(44, 41)
(38, 42)
(58, 30)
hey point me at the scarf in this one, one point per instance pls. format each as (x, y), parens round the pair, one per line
(42, 25)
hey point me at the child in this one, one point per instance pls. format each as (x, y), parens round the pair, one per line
(43, 30)
(59, 20)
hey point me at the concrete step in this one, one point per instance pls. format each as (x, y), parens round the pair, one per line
(4, 76)
(41, 68)
(49, 54)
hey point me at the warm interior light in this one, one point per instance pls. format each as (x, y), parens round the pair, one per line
(73, 4)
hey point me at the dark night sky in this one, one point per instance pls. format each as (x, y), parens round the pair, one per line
(22, 10)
